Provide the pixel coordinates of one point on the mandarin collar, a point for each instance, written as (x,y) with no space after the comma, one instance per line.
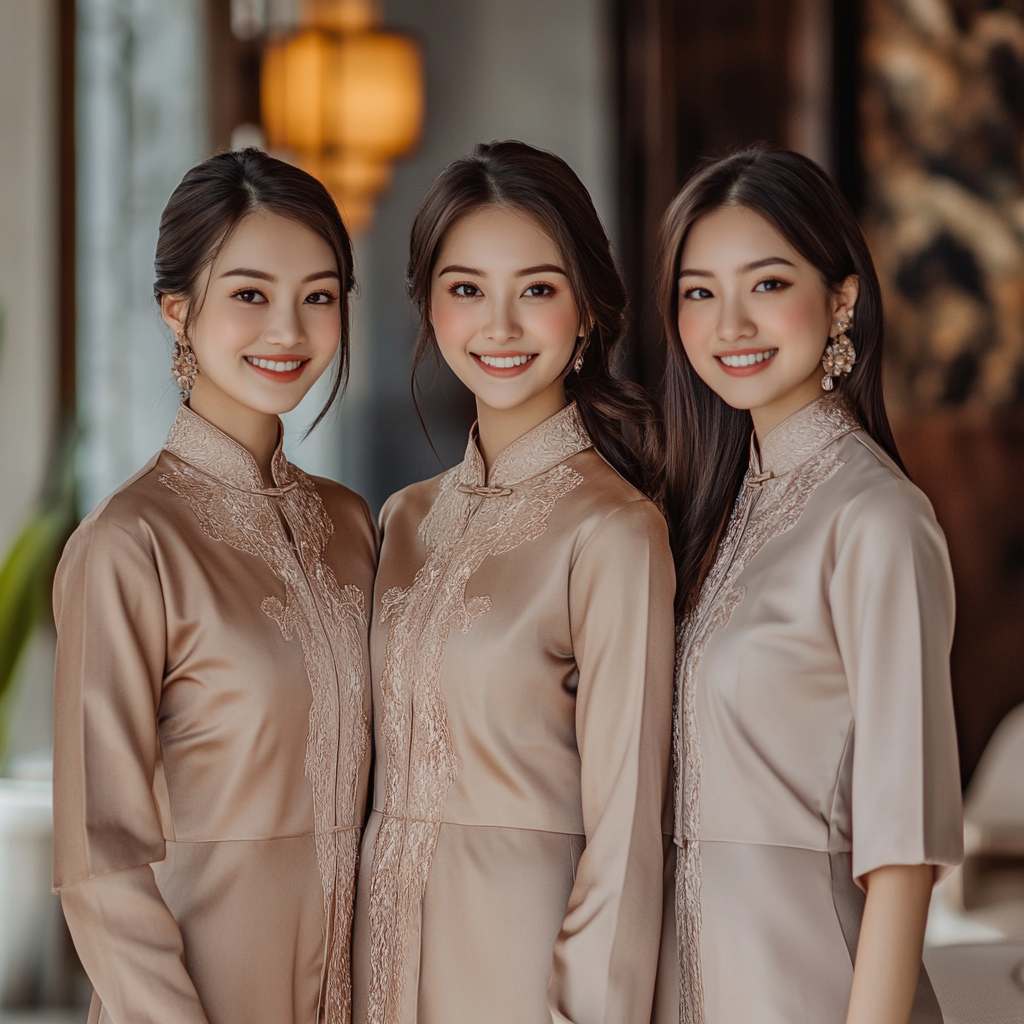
(203,446)
(799,437)
(538,450)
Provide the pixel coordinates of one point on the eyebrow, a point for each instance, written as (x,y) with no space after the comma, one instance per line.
(262,275)
(745,269)
(543,268)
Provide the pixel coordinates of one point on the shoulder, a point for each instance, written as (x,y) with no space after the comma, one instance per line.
(876,491)
(348,510)
(409,506)
(880,512)
(131,510)
(609,507)
(116,539)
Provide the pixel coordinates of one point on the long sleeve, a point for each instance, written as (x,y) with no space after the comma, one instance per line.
(111,631)
(620,595)
(892,605)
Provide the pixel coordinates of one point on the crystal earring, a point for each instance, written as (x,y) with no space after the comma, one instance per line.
(578,365)
(840,354)
(184,366)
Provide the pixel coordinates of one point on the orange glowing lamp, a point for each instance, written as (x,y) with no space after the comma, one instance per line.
(346,99)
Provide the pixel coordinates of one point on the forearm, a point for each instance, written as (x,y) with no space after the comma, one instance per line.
(889,948)
(131,948)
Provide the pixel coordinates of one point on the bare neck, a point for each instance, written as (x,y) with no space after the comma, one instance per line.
(498,428)
(767,417)
(256,432)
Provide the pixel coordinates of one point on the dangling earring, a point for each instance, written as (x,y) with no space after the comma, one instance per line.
(840,354)
(184,366)
(587,328)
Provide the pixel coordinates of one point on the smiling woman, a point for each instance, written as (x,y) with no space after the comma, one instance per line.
(521,645)
(818,795)
(211,751)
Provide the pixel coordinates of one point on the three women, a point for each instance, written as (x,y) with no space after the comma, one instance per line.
(522,639)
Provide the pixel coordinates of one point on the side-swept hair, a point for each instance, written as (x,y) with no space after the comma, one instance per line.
(706,439)
(619,416)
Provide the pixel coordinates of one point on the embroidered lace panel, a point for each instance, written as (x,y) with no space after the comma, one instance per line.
(768,505)
(467,522)
(330,621)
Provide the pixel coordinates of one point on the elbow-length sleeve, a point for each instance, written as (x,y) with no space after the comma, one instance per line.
(621,593)
(111,639)
(892,604)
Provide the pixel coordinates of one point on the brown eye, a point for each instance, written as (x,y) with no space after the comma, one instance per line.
(465,290)
(537,291)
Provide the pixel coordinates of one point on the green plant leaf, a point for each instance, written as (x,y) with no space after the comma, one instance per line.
(26,574)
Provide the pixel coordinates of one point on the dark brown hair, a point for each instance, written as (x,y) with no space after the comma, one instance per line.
(213,199)
(707,441)
(619,416)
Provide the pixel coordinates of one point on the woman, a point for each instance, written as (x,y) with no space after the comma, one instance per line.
(819,788)
(521,645)
(212,733)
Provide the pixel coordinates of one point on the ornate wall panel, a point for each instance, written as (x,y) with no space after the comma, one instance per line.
(943,148)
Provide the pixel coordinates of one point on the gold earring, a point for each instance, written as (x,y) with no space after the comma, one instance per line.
(184,366)
(840,355)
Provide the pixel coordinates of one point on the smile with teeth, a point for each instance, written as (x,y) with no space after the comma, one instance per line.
(277,365)
(504,362)
(750,359)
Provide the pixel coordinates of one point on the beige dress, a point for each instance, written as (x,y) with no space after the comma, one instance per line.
(815,733)
(212,738)
(522,652)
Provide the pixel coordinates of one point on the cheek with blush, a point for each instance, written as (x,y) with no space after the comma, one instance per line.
(448,322)
(799,321)
(555,326)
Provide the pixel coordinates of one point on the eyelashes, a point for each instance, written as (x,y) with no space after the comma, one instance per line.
(765,285)
(474,291)
(254,297)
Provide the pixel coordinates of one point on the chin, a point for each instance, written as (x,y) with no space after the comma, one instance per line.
(502,402)
(272,406)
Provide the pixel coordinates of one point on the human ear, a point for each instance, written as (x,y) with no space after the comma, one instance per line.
(174,310)
(844,298)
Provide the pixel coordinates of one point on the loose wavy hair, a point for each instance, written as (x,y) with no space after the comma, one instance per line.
(619,416)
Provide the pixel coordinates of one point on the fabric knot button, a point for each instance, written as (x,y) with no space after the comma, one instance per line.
(485,492)
(276,492)
(756,479)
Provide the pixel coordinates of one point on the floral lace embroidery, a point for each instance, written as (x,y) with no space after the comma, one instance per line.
(330,621)
(766,507)
(467,522)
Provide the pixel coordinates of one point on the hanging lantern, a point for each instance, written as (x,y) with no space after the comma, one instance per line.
(346,103)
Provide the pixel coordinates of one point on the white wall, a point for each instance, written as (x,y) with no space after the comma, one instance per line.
(28,294)
(140,125)
(28,253)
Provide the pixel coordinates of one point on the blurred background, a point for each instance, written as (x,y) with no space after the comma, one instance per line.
(915,106)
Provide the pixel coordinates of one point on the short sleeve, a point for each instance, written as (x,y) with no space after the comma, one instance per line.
(892,603)
(111,642)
